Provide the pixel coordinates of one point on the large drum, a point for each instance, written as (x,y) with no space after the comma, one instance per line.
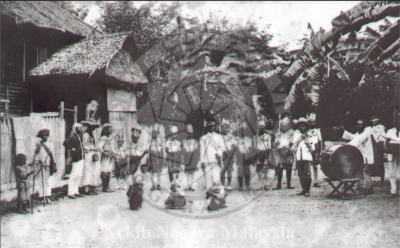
(341,162)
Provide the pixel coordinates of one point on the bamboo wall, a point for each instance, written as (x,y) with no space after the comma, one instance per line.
(19,98)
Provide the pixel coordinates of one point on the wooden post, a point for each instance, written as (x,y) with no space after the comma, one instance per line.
(31,96)
(2,64)
(7,105)
(62,110)
(24,64)
(75,113)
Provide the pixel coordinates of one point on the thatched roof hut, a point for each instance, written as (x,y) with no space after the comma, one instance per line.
(112,55)
(105,68)
(44,14)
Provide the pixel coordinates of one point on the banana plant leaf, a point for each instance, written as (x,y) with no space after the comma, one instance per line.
(389,37)
(355,18)
(340,72)
(262,75)
(314,73)
(291,97)
(294,68)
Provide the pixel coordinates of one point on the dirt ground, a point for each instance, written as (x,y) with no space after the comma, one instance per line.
(252,219)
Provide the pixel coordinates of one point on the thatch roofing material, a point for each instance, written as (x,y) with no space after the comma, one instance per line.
(124,68)
(94,54)
(45,14)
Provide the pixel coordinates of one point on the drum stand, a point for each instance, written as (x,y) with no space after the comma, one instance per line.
(348,185)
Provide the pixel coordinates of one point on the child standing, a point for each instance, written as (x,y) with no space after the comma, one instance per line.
(121,162)
(174,154)
(23,171)
(191,155)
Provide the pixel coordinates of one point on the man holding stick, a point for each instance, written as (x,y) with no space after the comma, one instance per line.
(45,165)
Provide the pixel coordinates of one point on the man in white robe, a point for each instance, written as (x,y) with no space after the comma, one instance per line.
(362,140)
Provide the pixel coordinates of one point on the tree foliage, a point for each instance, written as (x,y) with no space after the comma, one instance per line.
(148,24)
(81,13)
(239,59)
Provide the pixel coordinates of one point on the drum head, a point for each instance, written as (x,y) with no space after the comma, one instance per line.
(342,162)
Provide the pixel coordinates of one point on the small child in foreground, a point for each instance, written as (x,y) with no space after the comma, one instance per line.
(22,172)
(176,199)
(218,196)
(135,197)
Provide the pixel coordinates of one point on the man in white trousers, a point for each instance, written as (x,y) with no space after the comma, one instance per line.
(211,152)
(74,144)
(393,147)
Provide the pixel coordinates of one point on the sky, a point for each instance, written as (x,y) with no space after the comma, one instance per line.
(288,20)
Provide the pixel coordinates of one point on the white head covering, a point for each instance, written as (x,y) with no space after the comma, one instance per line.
(261,123)
(173,129)
(189,128)
(302,119)
(225,122)
(74,126)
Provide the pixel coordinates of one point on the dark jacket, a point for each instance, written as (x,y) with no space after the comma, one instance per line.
(74,141)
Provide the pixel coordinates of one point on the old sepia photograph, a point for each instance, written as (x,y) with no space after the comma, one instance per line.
(200,124)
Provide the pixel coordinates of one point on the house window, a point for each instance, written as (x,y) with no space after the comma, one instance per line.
(41,55)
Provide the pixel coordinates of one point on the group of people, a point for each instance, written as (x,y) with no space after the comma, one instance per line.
(292,144)
(40,168)
(91,164)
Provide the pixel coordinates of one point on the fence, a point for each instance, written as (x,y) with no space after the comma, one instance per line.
(7,179)
(25,130)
